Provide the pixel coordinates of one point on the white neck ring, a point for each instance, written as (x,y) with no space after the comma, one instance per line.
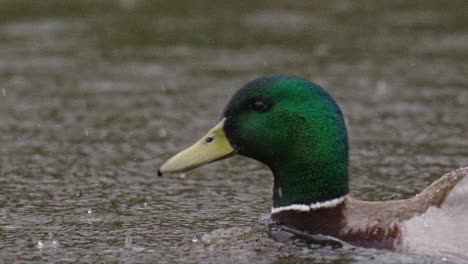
(308,207)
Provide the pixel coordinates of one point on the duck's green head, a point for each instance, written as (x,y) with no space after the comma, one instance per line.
(291,125)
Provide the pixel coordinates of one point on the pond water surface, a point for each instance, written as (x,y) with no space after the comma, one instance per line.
(95,95)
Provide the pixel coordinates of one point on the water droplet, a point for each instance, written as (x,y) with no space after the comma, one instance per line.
(55,243)
(138,249)
(4,91)
(194,239)
(162,132)
(128,242)
(145,204)
(322,50)
(183,175)
(381,87)
(40,244)
(86,132)
(127,4)
(89,211)
(425,225)
(444,259)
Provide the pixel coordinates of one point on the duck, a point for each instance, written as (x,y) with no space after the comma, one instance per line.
(295,128)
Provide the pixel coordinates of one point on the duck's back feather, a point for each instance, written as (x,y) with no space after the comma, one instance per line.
(443,228)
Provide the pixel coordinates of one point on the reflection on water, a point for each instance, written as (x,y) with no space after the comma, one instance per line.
(95,95)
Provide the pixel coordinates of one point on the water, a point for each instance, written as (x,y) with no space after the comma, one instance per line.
(95,95)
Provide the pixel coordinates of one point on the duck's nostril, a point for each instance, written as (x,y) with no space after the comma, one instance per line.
(208,139)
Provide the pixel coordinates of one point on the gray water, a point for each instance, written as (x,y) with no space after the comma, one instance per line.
(94,95)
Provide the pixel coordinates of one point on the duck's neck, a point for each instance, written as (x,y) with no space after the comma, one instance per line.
(310,182)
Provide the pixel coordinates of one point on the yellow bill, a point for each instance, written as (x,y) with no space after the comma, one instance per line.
(211,147)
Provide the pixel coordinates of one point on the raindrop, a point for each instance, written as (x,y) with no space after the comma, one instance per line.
(322,51)
(162,132)
(89,211)
(4,91)
(145,204)
(55,243)
(138,249)
(381,87)
(194,239)
(40,244)
(128,242)
(425,225)
(86,132)
(127,4)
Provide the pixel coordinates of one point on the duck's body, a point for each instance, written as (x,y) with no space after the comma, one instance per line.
(295,128)
(437,214)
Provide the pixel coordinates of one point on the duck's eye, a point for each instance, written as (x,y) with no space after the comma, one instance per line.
(259,106)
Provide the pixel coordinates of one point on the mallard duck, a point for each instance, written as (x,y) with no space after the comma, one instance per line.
(294,127)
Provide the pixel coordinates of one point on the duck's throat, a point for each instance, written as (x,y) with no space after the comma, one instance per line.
(310,186)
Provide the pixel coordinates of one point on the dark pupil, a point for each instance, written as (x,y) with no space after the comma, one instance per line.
(258,106)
